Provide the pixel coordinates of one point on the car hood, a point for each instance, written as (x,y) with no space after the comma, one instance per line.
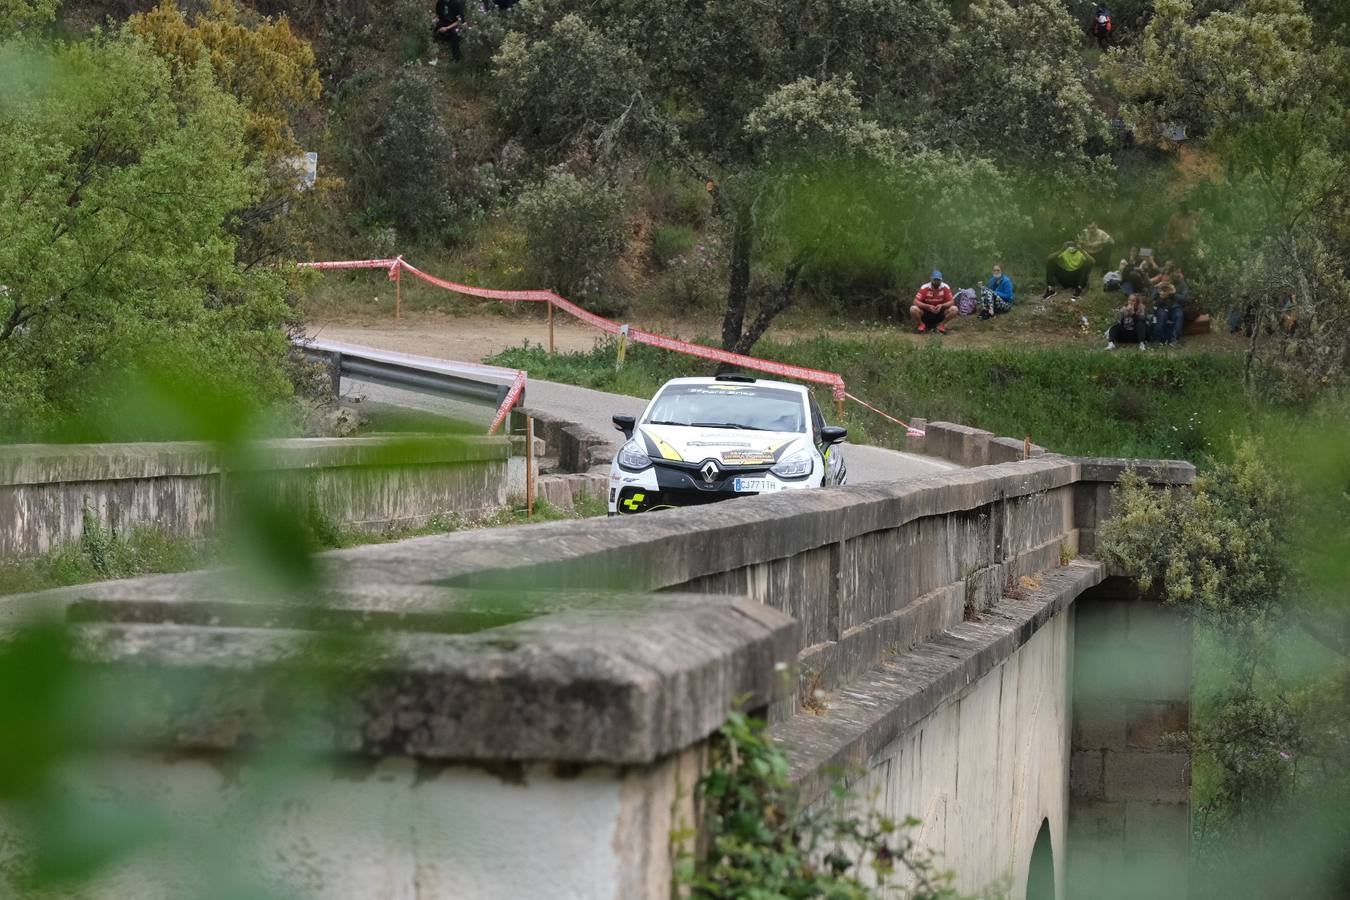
(688,444)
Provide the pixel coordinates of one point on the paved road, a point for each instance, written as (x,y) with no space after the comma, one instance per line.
(594,408)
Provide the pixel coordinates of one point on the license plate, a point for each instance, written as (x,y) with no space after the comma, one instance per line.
(751,485)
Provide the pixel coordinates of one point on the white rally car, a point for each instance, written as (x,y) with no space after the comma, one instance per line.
(707,439)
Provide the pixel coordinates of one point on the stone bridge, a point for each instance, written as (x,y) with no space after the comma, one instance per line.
(537,713)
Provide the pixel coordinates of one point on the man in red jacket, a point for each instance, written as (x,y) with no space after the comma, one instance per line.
(933,305)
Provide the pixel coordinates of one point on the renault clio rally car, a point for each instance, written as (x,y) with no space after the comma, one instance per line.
(707,439)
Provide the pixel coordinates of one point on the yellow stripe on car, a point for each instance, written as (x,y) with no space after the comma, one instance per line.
(667,451)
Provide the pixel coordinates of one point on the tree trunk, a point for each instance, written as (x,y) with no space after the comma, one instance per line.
(738,282)
(781,300)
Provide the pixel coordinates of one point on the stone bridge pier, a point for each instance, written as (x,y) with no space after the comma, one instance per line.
(534,711)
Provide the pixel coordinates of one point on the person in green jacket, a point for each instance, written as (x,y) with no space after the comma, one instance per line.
(1068,267)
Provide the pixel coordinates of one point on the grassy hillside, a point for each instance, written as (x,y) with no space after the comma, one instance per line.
(1074,401)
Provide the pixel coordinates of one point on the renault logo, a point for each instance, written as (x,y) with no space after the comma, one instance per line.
(710,471)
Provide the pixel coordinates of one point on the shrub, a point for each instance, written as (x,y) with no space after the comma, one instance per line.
(574,233)
(671,242)
(401,161)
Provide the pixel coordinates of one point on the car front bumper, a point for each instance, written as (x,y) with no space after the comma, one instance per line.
(663,487)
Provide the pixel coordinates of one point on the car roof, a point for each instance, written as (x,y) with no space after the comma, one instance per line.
(758,382)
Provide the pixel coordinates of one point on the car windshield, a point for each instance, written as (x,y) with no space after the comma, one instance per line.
(748,406)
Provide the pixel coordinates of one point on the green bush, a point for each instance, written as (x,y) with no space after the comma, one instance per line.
(574,233)
(673,197)
(400,158)
(671,242)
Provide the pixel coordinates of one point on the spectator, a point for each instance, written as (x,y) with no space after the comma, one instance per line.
(1094,240)
(1131,326)
(449,24)
(1132,278)
(1101,26)
(1169,313)
(1067,267)
(933,305)
(997,296)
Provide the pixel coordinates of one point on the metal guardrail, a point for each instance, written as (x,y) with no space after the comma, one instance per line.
(472,383)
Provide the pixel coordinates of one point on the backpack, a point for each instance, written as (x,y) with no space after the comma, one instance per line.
(1111,281)
(965,301)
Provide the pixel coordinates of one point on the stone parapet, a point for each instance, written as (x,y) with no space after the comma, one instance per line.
(440,674)
(181,487)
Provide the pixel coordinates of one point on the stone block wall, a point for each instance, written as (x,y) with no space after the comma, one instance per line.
(937,615)
(182,487)
(1129,825)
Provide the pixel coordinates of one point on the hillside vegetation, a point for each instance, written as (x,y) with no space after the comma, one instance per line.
(719,163)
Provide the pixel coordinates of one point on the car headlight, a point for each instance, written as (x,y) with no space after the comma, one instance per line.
(795,465)
(632,456)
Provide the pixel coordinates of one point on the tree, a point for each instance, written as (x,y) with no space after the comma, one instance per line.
(730,92)
(400,159)
(1209,71)
(117,182)
(17,14)
(1019,87)
(271,71)
(574,230)
(1269,103)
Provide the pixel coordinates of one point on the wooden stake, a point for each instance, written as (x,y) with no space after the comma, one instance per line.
(529,464)
(1026,447)
(550,328)
(398,291)
(839,408)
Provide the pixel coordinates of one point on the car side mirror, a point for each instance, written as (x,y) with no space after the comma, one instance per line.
(626,424)
(832,434)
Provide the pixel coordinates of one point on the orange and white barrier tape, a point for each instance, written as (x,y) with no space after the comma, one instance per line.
(786,370)
(508,402)
(910,430)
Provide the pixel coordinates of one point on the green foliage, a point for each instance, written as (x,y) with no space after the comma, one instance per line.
(263,64)
(570,82)
(808,116)
(1220,547)
(1270,729)
(1210,70)
(670,242)
(759,843)
(101,553)
(1019,87)
(18,14)
(574,229)
(117,182)
(401,158)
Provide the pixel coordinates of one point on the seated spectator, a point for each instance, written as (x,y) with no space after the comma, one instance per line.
(1148,263)
(1169,314)
(1070,267)
(1179,282)
(1094,240)
(997,296)
(933,305)
(1130,326)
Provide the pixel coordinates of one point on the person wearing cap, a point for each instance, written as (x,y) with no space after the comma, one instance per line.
(933,305)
